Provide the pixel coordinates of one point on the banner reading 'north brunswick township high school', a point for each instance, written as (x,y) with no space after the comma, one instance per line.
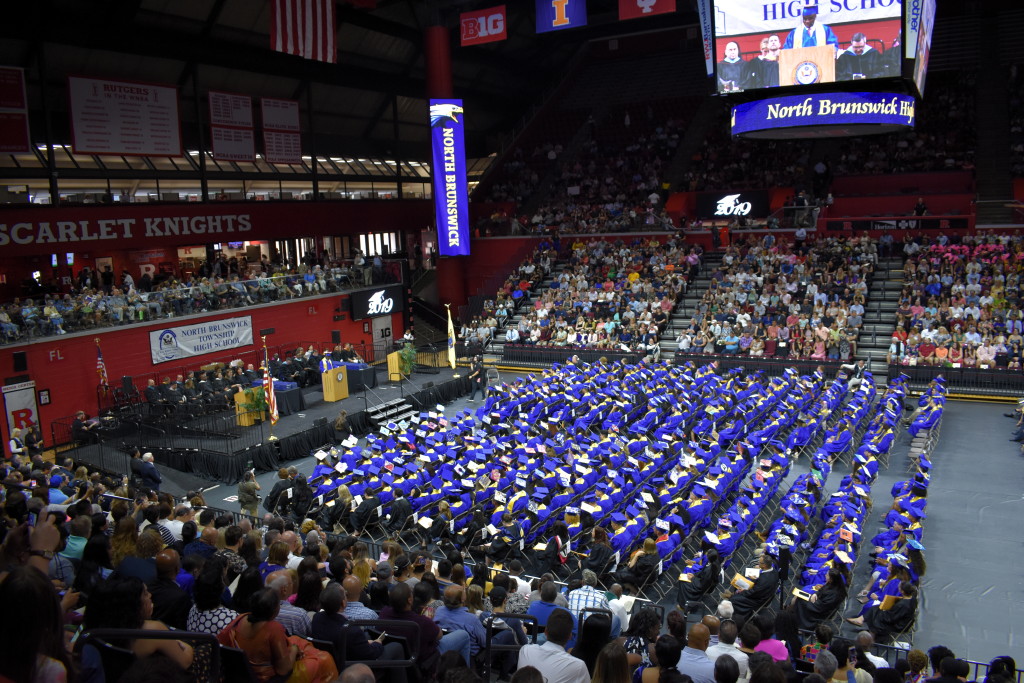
(174,343)
(451,196)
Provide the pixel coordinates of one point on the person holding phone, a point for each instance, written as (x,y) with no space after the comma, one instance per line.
(845,653)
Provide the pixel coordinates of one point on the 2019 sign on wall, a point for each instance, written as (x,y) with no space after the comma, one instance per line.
(370,303)
(753,204)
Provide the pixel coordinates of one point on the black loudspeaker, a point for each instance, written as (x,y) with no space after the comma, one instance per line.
(126,383)
(335,336)
(320,422)
(20,361)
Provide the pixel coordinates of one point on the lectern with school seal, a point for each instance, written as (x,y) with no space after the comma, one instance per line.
(335,384)
(807,65)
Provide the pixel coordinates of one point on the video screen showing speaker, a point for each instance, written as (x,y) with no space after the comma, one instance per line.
(778,43)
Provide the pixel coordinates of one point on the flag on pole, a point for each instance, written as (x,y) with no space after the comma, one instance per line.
(101,367)
(268,389)
(304,28)
(451,338)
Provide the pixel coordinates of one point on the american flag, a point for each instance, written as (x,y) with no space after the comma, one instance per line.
(101,367)
(304,28)
(268,390)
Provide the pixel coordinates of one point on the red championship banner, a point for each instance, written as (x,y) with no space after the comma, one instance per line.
(483,26)
(14,135)
(637,9)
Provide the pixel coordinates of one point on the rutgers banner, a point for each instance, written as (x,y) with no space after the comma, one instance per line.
(175,343)
(483,26)
(20,405)
(636,9)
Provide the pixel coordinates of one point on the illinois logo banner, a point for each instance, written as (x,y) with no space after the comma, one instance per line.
(555,15)
(483,26)
(636,9)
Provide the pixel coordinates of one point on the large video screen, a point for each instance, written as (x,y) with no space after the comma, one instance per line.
(772,43)
(923,49)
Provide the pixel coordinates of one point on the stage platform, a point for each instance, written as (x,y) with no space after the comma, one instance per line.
(197,454)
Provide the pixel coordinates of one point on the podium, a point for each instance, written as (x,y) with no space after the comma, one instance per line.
(395,367)
(245,418)
(335,384)
(806,65)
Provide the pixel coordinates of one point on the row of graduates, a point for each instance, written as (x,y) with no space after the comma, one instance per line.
(827,571)
(436,459)
(702,573)
(929,407)
(889,602)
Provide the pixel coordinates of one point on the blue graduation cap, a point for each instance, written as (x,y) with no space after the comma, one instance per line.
(915,544)
(699,491)
(715,471)
(359,473)
(725,523)
(618,517)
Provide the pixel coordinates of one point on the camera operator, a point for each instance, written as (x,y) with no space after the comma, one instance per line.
(248,499)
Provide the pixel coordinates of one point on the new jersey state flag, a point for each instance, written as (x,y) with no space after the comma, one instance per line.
(636,9)
(554,15)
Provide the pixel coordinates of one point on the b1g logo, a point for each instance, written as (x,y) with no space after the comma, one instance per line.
(483,26)
(730,206)
(806,73)
(378,305)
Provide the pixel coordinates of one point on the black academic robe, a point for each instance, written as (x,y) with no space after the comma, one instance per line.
(886,623)
(600,559)
(270,503)
(761,73)
(401,508)
(745,602)
(703,581)
(731,72)
(364,513)
(809,614)
(868,63)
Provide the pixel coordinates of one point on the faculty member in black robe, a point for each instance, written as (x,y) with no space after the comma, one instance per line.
(829,597)
(730,69)
(701,582)
(887,623)
(745,602)
(859,60)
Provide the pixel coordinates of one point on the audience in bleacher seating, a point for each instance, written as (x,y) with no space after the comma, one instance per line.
(961,305)
(612,296)
(771,298)
(944,136)
(615,182)
(93,304)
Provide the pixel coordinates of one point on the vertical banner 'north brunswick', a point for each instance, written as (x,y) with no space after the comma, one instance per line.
(451,197)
